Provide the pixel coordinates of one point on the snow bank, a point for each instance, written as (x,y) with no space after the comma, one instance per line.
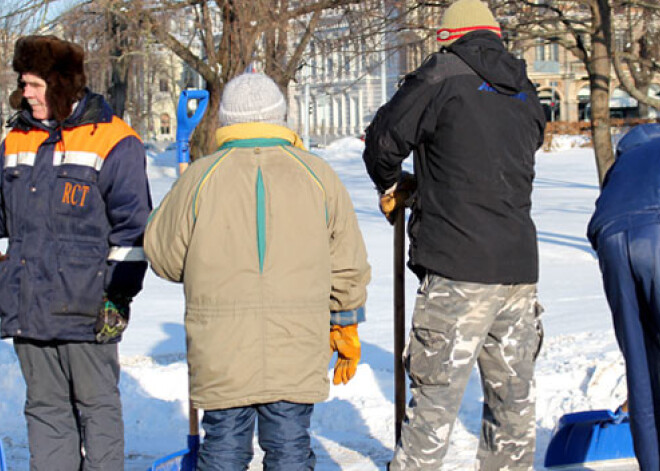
(579,367)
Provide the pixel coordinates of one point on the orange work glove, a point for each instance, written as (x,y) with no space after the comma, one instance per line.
(395,199)
(345,341)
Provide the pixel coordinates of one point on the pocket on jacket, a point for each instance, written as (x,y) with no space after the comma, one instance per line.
(14,188)
(79,281)
(75,192)
(9,286)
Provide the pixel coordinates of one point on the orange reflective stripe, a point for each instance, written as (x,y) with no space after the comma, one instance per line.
(24,141)
(97,139)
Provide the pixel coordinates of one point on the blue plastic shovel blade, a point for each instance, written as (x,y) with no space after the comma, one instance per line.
(3,462)
(171,462)
(182,460)
(592,436)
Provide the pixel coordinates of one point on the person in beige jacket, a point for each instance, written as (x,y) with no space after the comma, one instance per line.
(265,240)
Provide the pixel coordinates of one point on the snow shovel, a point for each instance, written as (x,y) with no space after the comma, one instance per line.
(186,459)
(3,463)
(186,124)
(594,438)
(399,321)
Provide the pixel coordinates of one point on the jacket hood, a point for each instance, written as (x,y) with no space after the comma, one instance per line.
(484,52)
(91,109)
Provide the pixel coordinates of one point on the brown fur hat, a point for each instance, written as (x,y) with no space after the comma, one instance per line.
(59,63)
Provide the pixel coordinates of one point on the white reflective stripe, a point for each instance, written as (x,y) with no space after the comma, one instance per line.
(127,254)
(22,158)
(87,159)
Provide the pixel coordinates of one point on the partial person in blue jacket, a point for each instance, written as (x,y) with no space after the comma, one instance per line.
(625,232)
(74,204)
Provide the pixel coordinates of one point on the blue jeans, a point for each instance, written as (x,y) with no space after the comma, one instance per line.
(283,429)
(630,262)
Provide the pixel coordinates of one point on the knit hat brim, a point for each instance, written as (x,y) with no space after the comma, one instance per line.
(448,35)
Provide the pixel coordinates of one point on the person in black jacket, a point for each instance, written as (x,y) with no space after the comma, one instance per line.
(625,232)
(473,121)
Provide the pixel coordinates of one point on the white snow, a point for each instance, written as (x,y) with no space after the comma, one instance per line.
(579,368)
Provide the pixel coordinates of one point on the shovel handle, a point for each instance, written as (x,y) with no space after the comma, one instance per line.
(186,124)
(193,419)
(399,322)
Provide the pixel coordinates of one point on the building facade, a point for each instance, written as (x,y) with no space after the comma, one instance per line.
(345,80)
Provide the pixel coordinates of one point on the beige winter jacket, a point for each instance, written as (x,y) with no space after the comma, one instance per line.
(264,237)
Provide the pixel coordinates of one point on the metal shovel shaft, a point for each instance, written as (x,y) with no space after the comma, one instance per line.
(399,322)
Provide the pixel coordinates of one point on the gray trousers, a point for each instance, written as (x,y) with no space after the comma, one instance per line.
(454,325)
(72,408)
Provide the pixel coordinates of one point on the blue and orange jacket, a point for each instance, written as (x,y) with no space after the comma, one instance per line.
(75,200)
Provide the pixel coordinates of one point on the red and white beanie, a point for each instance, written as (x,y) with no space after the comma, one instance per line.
(464,16)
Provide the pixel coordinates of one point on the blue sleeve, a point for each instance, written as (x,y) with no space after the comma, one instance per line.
(125,189)
(354,316)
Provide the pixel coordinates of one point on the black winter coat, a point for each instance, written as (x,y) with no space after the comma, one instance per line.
(473,121)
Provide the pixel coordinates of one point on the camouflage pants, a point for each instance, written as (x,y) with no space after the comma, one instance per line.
(454,324)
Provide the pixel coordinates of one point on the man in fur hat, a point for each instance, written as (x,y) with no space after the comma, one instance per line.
(472,120)
(75,201)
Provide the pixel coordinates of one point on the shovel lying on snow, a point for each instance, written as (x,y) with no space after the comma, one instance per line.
(3,463)
(599,438)
(182,460)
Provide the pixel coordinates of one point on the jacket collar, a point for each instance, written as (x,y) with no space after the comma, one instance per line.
(256,135)
(92,109)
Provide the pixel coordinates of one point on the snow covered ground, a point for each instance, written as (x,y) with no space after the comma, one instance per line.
(579,368)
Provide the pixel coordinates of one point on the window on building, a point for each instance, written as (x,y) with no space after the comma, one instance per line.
(547,52)
(540,50)
(188,78)
(163,85)
(620,40)
(312,62)
(165,124)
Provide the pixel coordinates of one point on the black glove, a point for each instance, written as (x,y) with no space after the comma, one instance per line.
(112,319)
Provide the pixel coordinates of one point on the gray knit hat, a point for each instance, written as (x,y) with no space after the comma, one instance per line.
(251,98)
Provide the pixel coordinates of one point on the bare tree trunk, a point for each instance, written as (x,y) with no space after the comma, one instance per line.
(118,89)
(203,139)
(599,67)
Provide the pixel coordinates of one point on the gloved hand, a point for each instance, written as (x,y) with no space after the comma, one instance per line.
(345,341)
(396,198)
(112,318)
